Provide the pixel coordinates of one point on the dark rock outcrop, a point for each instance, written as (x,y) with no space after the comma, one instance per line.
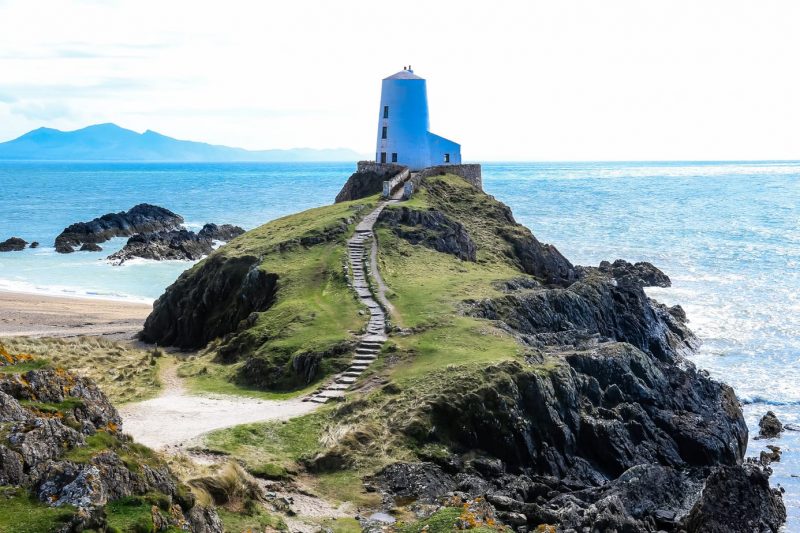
(365,183)
(737,498)
(224,233)
(143,218)
(209,301)
(179,244)
(431,228)
(34,244)
(90,247)
(592,306)
(769,427)
(643,273)
(49,414)
(164,245)
(14,244)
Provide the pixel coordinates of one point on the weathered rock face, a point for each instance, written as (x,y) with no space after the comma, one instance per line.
(209,301)
(643,273)
(224,232)
(164,245)
(143,218)
(432,229)
(179,244)
(366,183)
(737,498)
(14,244)
(61,413)
(769,426)
(596,305)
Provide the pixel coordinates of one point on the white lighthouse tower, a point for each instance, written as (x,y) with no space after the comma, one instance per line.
(403,123)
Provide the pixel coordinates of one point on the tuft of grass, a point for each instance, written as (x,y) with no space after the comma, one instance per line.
(133,513)
(21,513)
(131,453)
(123,372)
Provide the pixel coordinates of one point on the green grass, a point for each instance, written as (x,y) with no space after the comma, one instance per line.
(441,521)
(133,514)
(342,525)
(20,513)
(24,366)
(54,408)
(124,373)
(259,520)
(131,453)
(201,375)
(280,444)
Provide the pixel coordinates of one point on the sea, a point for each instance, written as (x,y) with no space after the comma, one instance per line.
(727,234)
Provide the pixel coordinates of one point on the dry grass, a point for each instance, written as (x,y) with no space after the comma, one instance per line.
(123,372)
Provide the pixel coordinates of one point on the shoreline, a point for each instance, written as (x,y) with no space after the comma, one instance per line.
(40,315)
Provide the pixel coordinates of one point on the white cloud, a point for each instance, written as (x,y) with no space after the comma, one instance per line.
(565,79)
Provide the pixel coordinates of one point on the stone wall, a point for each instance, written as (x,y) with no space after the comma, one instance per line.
(471,173)
(379,168)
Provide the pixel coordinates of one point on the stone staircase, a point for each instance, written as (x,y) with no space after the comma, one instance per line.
(359,257)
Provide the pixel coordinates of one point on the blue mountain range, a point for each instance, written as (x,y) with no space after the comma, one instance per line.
(109,142)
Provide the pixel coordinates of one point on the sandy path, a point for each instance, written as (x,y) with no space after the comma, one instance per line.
(36,315)
(176,418)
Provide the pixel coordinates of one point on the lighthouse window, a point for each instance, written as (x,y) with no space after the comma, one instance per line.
(394,157)
(383,133)
(446,158)
(383,157)
(386,111)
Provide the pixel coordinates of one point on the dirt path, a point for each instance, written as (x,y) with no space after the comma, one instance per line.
(176,418)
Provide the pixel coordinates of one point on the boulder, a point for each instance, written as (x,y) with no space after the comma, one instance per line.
(643,273)
(737,499)
(14,244)
(224,233)
(90,247)
(769,427)
(34,244)
(143,218)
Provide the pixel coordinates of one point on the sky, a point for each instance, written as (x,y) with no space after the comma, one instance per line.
(510,80)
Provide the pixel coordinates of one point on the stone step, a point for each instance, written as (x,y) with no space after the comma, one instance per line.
(369,350)
(363,359)
(348,373)
(371,344)
(330,394)
(346,379)
(337,386)
(316,399)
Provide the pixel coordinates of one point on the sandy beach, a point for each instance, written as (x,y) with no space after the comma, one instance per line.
(50,316)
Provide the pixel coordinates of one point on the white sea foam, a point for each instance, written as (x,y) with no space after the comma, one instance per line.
(24,287)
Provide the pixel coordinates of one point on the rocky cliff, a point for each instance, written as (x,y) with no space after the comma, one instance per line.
(62,447)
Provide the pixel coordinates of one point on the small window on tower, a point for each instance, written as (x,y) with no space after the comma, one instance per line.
(386,111)
(394,157)
(383,133)
(446,158)
(383,157)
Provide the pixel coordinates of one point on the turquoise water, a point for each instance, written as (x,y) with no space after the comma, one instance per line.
(728,234)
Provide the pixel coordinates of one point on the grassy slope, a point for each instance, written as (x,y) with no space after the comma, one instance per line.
(314,310)
(427,289)
(124,373)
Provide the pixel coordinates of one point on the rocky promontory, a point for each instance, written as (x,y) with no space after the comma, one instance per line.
(551,396)
(142,218)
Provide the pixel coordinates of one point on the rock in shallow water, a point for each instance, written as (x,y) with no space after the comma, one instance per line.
(14,244)
(179,244)
(769,427)
(143,218)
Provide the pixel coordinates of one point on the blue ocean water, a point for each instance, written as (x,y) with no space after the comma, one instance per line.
(727,233)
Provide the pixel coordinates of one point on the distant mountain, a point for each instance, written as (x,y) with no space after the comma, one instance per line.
(109,142)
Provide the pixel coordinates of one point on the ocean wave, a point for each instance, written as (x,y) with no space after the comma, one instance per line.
(756,399)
